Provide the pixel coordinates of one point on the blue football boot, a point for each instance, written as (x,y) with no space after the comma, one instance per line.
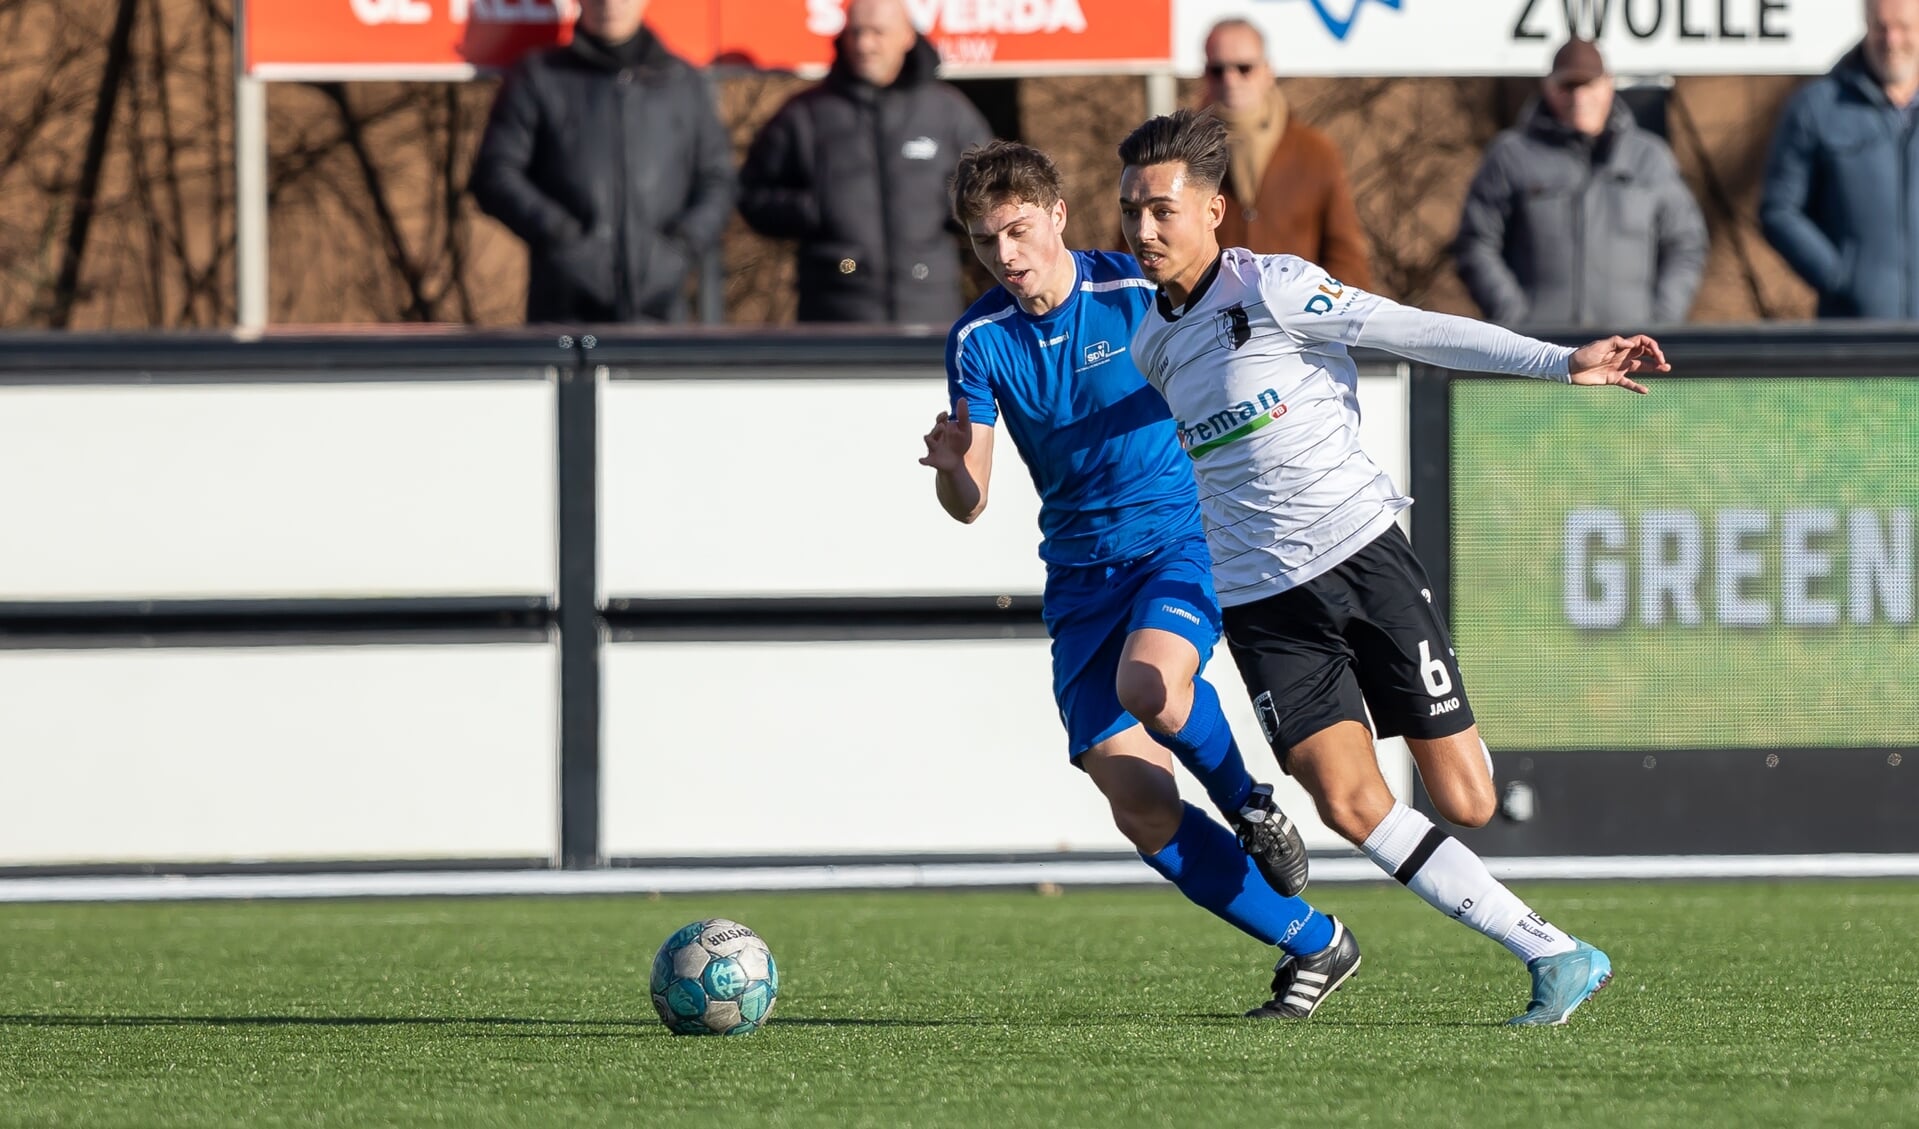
(1561,983)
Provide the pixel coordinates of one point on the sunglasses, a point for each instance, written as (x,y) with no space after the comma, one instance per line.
(1218,70)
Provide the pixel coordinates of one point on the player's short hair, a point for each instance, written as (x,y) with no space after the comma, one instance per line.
(1001,172)
(1192,138)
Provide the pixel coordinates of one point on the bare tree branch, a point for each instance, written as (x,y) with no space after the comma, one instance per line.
(420,307)
(111,78)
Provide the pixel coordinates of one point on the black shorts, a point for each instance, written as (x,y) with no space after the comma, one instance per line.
(1366,635)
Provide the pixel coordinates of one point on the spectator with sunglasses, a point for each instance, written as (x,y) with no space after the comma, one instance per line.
(1286,193)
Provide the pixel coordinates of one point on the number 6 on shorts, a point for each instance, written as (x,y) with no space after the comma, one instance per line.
(1438,682)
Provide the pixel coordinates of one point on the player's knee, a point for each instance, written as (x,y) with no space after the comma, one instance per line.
(1469,807)
(1346,819)
(1146,807)
(1353,813)
(1148,822)
(1145,692)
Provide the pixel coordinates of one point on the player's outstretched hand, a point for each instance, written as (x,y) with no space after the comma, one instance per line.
(950,439)
(1613,360)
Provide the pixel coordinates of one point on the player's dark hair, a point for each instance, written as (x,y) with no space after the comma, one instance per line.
(1192,138)
(1001,172)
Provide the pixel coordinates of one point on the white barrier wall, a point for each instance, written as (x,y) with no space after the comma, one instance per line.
(876,747)
(847,747)
(726,487)
(231,755)
(758,487)
(710,487)
(277,490)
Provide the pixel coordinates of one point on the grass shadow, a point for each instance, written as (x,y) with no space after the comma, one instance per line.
(612,1028)
(829,1021)
(568,1028)
(1222,1017)
(71,1020)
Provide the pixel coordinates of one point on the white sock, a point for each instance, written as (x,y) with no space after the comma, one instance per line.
(1455,881)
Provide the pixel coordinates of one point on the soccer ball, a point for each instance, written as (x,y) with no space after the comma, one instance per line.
(714,978)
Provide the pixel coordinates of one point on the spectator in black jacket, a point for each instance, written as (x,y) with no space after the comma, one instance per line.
(606,156)
(855,169)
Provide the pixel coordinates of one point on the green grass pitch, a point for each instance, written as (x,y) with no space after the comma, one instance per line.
(1736,1004)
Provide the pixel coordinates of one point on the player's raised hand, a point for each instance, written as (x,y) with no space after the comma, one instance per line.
(1613,360)
(950,439)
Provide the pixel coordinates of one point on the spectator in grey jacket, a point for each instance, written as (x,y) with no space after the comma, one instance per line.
(1841,199)
(855,170)
(606,156)
(1578,217)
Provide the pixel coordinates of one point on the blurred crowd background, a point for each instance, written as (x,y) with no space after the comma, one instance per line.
(594,180)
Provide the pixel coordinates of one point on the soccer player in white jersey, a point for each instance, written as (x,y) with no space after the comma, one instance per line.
(1328,614)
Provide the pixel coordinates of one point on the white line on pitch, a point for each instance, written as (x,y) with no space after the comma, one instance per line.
(879,876)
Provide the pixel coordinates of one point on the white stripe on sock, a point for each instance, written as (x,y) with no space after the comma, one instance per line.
(1455,881)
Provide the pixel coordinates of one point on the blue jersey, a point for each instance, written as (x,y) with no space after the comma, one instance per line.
(1099,441)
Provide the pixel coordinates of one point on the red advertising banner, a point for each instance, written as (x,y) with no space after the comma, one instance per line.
(974,36)
(426,39)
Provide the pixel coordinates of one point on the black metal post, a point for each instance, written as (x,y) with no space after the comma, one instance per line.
(1430,459)
(712,288)
(580,625)
(1430,456)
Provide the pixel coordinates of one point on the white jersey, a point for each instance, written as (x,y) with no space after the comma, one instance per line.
(1256,371)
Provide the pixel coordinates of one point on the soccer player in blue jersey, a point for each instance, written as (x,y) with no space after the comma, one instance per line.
(1129,598)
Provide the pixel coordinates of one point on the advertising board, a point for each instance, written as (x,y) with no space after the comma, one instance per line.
(452,39)
(1725,564)
(1518,37)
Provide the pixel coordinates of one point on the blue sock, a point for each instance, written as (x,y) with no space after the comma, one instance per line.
(1206,747)
(1205,862)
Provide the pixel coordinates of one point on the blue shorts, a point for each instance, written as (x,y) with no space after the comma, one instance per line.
(1089,613)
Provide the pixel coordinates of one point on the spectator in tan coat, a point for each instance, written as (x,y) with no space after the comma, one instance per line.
(1286,192)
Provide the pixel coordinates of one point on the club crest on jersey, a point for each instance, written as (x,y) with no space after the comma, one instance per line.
(1330,291)
(1239,327)
(1230,424)
(1233,327)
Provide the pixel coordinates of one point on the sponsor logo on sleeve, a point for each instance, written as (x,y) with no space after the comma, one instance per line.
(1330,292)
